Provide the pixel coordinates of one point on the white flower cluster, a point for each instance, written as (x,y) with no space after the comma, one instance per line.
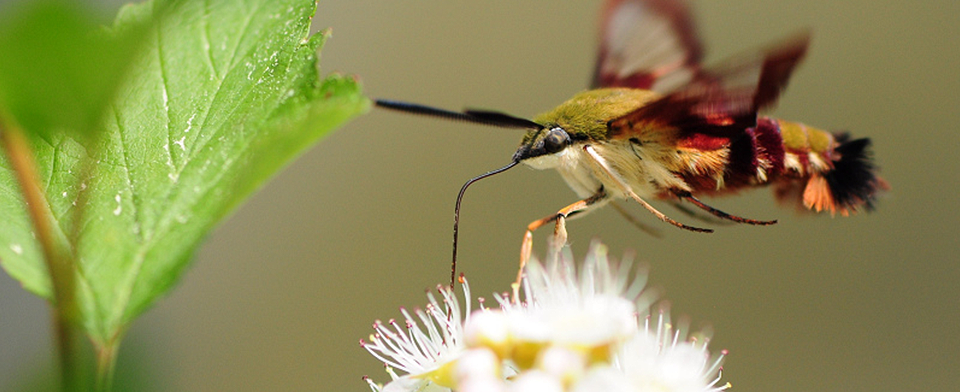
(586,331)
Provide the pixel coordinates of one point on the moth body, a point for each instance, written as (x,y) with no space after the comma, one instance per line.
(657,124)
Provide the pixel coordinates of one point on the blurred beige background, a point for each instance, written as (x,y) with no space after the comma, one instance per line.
(361,224)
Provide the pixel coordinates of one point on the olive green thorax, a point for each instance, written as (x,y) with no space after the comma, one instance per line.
(585,116)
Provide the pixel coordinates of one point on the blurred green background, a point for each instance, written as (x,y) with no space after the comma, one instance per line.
(280,294)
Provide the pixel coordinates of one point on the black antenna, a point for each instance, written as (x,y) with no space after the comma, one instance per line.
(456,215)
(483,117)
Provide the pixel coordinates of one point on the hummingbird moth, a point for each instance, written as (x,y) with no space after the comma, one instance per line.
(656,124)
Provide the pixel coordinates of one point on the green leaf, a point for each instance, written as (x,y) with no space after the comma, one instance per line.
(58,67)
(224,94)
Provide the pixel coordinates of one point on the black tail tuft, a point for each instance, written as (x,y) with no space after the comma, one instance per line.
(853,180)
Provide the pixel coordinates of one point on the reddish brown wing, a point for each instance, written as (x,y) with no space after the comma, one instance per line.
(723,100)
(648,44)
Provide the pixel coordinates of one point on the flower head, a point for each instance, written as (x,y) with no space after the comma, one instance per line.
(663,358)
(429,340)
(590,311)
(573,330)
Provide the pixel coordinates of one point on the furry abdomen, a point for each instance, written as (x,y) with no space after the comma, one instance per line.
(811,167)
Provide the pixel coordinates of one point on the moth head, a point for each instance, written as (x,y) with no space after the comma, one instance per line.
(540,146)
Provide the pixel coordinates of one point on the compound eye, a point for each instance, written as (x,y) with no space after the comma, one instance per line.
(555,140)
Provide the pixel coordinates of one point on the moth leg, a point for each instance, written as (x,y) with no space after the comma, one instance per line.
(684,195)
(559,233)
(697,214)
(626,189)
(634,221)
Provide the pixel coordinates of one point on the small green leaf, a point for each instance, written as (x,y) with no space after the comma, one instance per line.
(224,94)
(58,67)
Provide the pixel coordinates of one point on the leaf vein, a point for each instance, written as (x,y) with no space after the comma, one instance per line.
(126,289)
(125,155)
(243,33)
(54,165)
(206,39)
(166,95)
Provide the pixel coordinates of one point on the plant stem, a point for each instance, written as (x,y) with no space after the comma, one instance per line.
(69,356)
(59,265)
(106,363)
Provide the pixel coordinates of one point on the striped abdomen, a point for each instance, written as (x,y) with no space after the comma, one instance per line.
(823,171)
